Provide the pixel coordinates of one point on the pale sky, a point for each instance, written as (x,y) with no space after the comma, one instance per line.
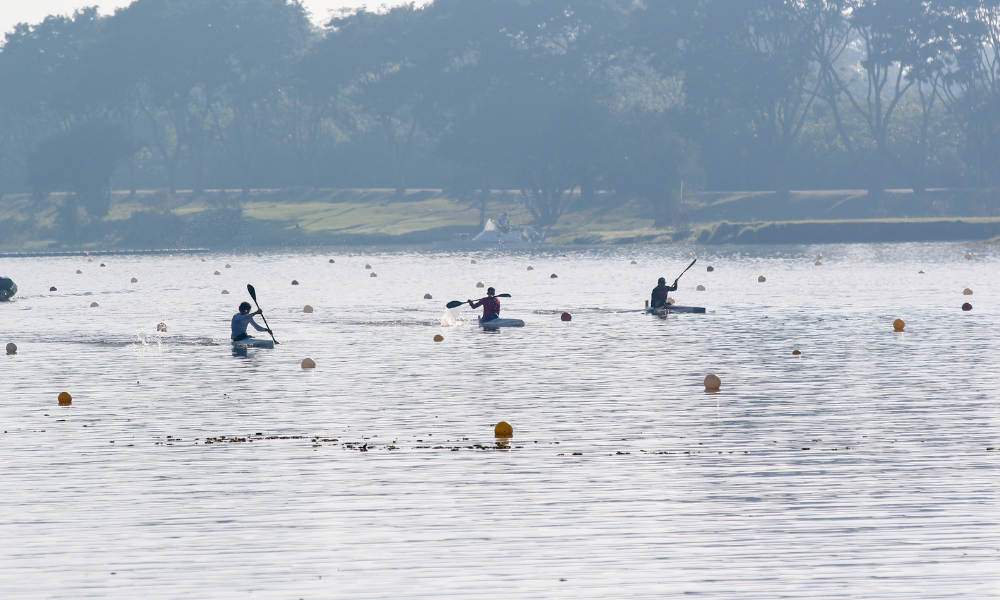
(13,12)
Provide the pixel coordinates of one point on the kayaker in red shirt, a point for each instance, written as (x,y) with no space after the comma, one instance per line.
(659,296)
(490,304)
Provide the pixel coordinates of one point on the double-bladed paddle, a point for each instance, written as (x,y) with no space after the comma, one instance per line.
(457,303)
(253,294)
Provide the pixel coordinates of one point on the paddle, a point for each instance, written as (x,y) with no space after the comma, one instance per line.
(457,303)
(253,294)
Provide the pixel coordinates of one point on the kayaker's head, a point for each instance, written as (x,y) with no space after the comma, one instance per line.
(244,308)
(662,281)
(490,292)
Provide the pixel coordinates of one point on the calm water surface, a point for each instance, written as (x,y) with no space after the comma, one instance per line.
(859,469)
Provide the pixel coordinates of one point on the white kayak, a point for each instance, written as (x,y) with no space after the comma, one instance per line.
(251,342)
(494,323)
(671,308)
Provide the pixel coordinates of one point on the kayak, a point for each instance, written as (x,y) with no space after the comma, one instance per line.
(494,323)
(662,310)
(253,343)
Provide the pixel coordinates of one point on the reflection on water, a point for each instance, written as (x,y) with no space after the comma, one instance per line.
(184,470)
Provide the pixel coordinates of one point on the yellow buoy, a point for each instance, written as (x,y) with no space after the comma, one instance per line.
(700,288)
(967,292)
(225,291)
(229,266)
(308,363)
(503,430)
(65,399)
(898,324)
(473,262)
(307,309)
(712,382)
(161,327)
(796,352)
(373,274)
(79,272)
(134,280)
(480,285)
(11,348)
(439,338)
(428,297)
(94,305)
(531,268)
(216,273)
(761,279)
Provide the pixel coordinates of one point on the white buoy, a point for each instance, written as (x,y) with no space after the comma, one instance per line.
(819,257)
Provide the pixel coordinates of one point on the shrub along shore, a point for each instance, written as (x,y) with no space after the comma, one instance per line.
(229,219)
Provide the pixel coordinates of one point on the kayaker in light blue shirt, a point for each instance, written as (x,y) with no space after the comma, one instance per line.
(244,318)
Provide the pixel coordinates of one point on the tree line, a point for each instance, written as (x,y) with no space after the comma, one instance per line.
(564,101)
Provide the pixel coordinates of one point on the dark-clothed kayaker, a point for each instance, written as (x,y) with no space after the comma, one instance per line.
(490,304)
(244,318)
(659,296)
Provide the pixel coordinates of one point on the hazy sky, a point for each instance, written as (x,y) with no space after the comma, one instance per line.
(13,12)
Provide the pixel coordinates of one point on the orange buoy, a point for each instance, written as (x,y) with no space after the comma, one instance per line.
(480,285)
(531,268)
(796,353)
(473,262)
(700,288)
(368,266)
(761,279)
(898,325)
(373,274)
(216,273)
(225,291)
(503,430)
(65,399)
(712,382)
(307,309)
(79,272)
(94,305)
(439,338)
(134,280)
(967,292)
(428,297)
(634,263)
(308,363)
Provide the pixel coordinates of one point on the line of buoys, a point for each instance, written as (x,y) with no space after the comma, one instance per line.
(700,288)
(161,327)
(710,268)
(79,272)
(968,256)
(531,268)
(480,285)
(295,282)
(134,280)
(428,297)
(439,338)
(368,266)
(94,305)
(966,306)
(53,289)
(967,292)
(307,309)
(216,273)
(503,430)
(308,363)
(553,276)
(473,262)
(796,353)
(65,399)
(11,348)
(566,316)
(898,325)
(331,261)
(712,382)
(761,279)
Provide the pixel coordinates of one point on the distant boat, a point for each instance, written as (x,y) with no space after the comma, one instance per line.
(491,236)
(7,289)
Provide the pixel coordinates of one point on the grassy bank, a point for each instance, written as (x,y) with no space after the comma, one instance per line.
(156,219)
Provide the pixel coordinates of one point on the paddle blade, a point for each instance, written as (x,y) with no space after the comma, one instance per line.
(454,304)
(253,292)
(503,295)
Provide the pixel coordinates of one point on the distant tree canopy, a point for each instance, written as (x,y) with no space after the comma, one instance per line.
(561,101)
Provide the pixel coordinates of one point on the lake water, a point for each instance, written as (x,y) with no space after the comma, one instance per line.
(859,469)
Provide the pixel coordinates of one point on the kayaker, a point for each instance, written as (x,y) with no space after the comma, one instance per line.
(504,223)
(244,318)
(490,304)
(659,296)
